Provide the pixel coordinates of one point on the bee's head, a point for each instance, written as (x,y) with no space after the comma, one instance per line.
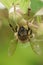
(23,33)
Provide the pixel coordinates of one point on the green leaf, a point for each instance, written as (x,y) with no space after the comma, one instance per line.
(24,4)
(36,5)
(7,3)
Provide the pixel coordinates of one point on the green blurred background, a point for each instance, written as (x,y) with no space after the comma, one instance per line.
(22,55)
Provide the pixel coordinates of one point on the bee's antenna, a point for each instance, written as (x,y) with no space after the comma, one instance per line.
(29,11)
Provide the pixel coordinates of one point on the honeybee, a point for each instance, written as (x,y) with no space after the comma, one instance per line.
(24,27)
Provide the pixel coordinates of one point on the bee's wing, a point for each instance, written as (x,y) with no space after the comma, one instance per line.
(37,41)
(35,45)
(4,18)
(12,47)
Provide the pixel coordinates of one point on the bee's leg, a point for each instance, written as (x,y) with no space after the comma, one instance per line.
(29,37)
(11,27)
(30,34)
(14,30)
